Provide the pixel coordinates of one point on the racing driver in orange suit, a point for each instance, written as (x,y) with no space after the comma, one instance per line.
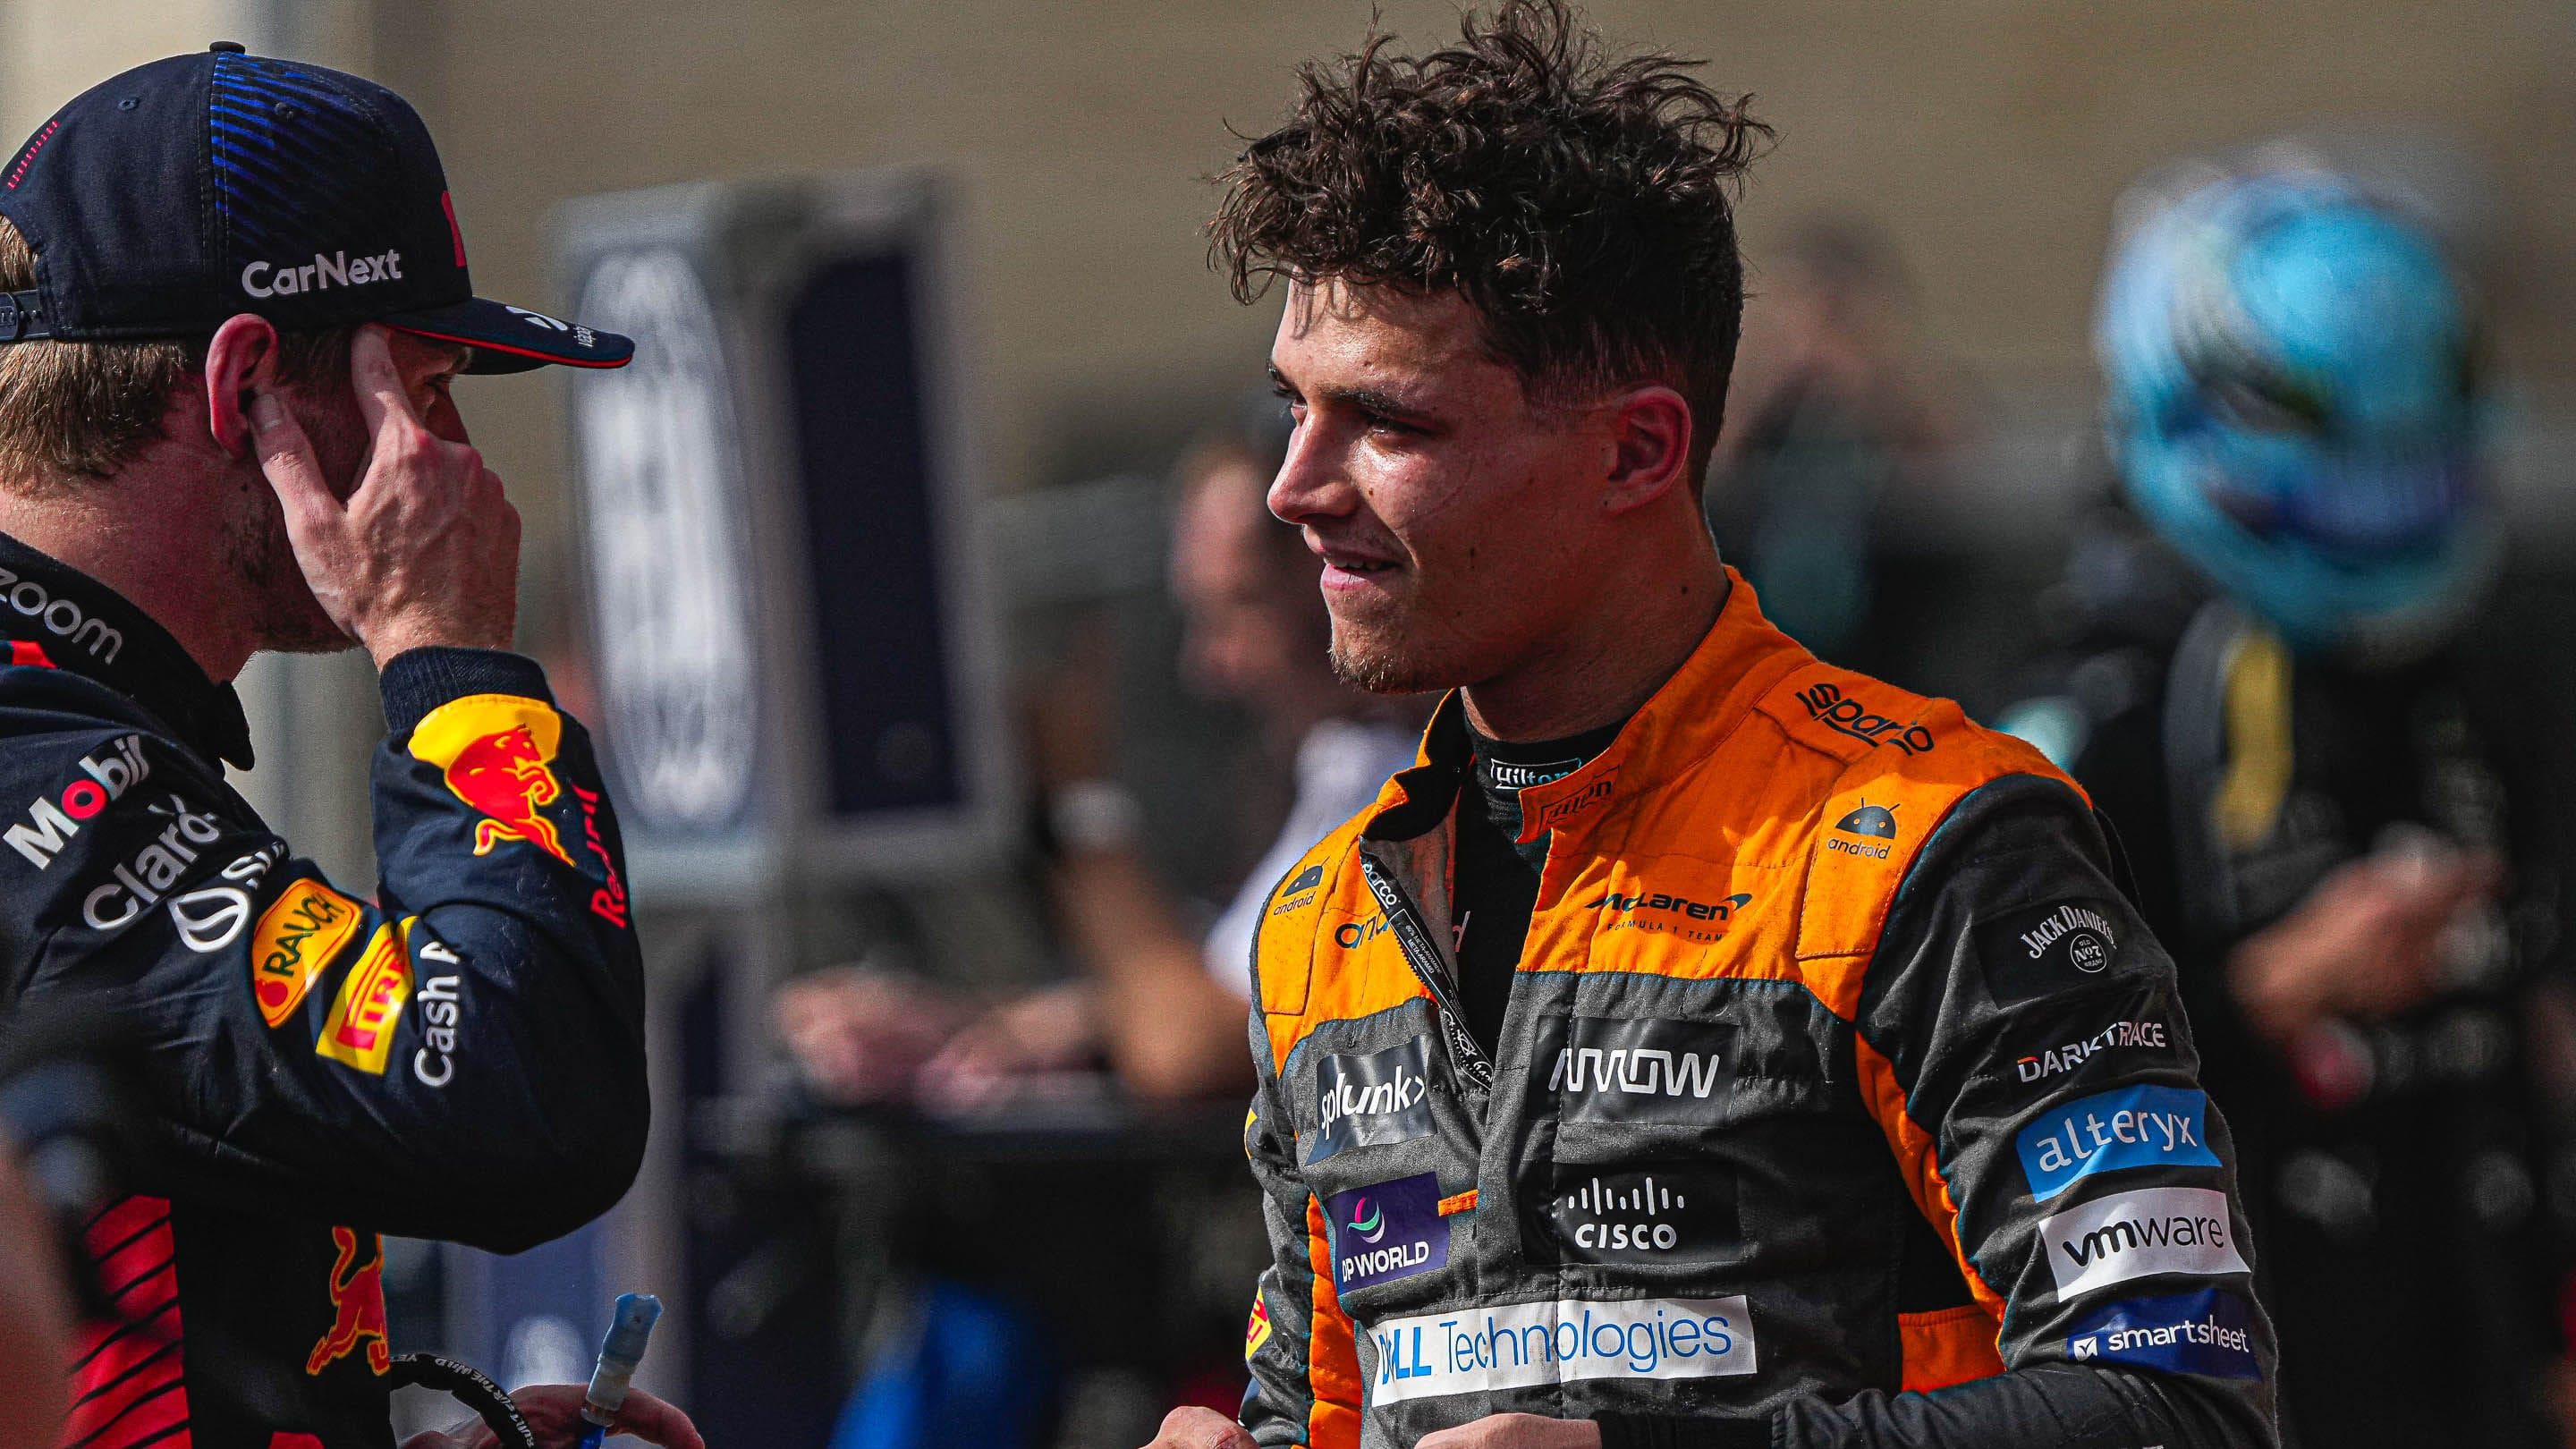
(233,298)
(1700,1045)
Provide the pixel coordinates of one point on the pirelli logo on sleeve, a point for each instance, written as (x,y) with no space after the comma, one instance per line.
(360,1030)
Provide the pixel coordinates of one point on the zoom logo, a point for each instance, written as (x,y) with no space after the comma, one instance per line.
(1371,1100)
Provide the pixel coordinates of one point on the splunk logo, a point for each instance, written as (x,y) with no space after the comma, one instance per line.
(1373,1099)
(1829,706)
(2160,1230)
(1605,1069)
(286,279)
(1386,1231)
(1526,1345)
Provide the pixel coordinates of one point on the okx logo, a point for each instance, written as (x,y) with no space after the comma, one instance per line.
(1387,1231)
(1669,1212)
(1604,1069)
(2132,1127)
(1373,1099)
(2161,1230)
(2209,1333)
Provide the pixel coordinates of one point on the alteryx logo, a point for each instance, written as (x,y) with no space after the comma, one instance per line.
(1386,1231)
(2133,1127)
(1371,1100)
(2210,1333)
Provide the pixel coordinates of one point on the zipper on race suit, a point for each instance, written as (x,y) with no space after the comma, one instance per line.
(1414,940)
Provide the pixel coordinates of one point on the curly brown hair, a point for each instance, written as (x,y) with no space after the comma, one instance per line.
(1581,204)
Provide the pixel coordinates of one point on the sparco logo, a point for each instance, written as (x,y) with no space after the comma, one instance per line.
(51,824)
(1371,1100)
(60,616)
(285,279)
(1841,713)
(1649,1070)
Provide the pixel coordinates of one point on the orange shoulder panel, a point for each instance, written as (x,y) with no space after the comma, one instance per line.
(1332,1351)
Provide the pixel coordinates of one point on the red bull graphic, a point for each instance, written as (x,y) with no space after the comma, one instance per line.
(357,1307)
(497,752)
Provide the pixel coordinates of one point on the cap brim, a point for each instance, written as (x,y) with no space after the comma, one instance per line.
(514,339)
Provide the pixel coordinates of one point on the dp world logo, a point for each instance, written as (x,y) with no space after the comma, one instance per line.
(1368,1220)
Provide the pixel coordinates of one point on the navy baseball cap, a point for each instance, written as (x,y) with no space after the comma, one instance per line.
(199,187)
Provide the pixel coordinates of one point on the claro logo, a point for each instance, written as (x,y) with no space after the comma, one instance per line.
(286,279)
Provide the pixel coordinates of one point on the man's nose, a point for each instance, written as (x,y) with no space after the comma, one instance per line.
(1311,483)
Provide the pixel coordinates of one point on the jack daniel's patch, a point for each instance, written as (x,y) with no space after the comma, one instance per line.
(2062,946)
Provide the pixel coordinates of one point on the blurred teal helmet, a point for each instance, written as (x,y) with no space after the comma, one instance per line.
(2293,404)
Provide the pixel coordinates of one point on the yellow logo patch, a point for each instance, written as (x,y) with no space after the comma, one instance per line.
(300,933)
(1257,1331)
(360,1030)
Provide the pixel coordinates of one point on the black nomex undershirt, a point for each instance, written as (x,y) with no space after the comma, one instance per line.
(1496,877)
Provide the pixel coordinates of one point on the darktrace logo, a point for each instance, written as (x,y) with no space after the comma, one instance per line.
(1829,706)
(1659,1213)
(1386,1231)
(1662,911)
(1869,823)
(1650,1069)
(1372,1099)
(2049,1062)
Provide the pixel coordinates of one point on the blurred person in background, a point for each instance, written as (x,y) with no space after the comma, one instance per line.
(2343,802)
(234,301)
(1160,999)
(1637,1069)
(1839,417)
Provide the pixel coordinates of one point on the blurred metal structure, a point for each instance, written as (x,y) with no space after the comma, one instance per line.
(799,670)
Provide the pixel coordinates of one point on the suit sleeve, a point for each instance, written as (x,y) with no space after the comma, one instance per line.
(460,1058)
(2023,1050)
(1304,1362)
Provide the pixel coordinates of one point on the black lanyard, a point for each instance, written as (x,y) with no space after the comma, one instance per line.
(1405,920)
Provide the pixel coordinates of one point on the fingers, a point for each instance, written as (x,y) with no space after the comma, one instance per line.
(286,457)
(1197,1428)
(382,399)
(656,1422)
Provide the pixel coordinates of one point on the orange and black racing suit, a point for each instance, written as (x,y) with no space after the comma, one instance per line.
(1840,1099)
(460,1058)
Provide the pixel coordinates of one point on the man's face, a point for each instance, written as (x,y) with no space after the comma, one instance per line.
(1248,603)
(1460,527)
(291,619)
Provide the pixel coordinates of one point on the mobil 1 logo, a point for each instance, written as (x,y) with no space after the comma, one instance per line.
(1645,1212)
(1372,1099)
(2043,950)
(1645,1069)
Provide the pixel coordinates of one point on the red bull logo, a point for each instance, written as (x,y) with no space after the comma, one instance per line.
(357,1307)
(497,752)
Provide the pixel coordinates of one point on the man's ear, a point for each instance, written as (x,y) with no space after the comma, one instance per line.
(241,362)
(1650,448)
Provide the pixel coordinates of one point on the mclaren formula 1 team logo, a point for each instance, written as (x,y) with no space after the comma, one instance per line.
(497,753)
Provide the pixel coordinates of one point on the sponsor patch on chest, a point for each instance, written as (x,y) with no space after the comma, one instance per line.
(1372,1099)
(1526,1345)
(1386,1231)
(1643,1069)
